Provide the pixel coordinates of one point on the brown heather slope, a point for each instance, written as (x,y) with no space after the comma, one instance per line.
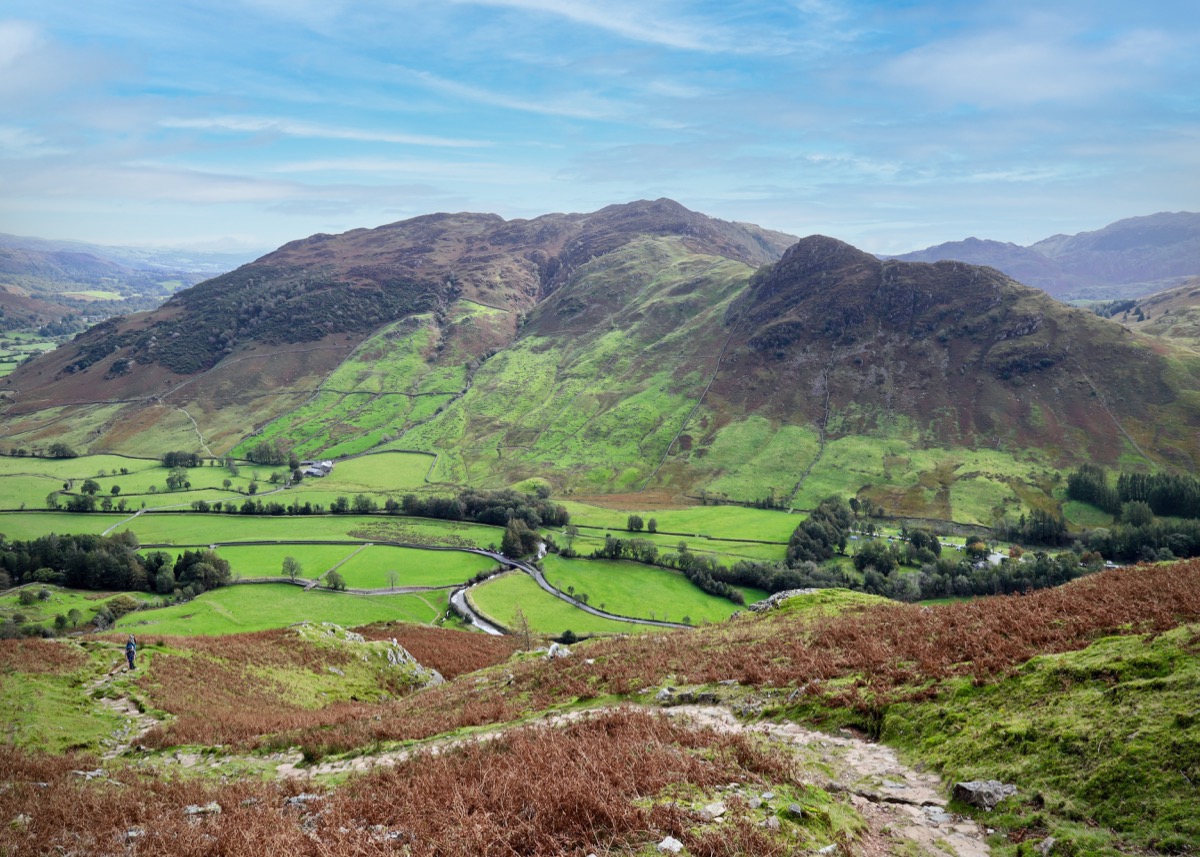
(256,341)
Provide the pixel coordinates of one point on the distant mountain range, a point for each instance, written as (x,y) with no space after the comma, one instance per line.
(640,347)
(43,280)
(1126,259)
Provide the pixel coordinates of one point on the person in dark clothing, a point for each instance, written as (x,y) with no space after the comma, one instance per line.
(131,650)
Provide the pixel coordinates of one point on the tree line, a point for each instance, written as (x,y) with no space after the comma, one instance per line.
(109,563)
(1166,494)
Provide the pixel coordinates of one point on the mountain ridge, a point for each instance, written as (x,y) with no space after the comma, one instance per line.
(1127,258)
(641,347)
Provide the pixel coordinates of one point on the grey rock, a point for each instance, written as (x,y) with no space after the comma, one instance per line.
(795,810)
(336,671)
(729,682)
(670,845)
(768,795)
(937,815)
(557,650)
(210,808)
(828,849)
(1046,846)
(984,794)
(713,811)
(302,800)
(666,696)
(772,823)
(777,599)
(756,802)
(90,775)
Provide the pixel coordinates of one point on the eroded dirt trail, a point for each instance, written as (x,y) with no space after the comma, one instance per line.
(903,806)
(136,722)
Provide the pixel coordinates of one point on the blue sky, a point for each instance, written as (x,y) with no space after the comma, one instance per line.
(890,125)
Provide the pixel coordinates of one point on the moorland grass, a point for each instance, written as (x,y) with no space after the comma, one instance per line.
(370,568)
(258,607)
(642,591)
(1103,743)
(500,597)
(62,601)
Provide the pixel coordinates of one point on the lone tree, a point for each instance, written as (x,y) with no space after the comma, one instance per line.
(652,525)
(292,568)
(521,629)
(635,523)
(335,581)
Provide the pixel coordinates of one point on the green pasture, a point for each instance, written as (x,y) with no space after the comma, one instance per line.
(641,591)
(267,560)
(500,597)
(426,531)
(197,529)
(383,473)
(728,553)
(31,525)
(370,568)
(259,606)
(729,522)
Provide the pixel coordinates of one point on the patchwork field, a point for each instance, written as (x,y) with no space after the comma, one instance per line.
(631,589)
(259,606)
(373,567)
(501,597)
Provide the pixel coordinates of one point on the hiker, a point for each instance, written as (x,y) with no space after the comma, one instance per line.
(131,650)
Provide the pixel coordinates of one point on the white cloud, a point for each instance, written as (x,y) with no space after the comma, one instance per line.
(292,128)
(1038,62)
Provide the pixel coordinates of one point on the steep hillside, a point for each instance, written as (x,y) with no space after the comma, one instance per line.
(656,369)
(256,343)
(1123,260)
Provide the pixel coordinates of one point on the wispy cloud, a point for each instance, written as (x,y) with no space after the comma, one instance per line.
(1041,61)
(637,22)
(580,106)
(293,128)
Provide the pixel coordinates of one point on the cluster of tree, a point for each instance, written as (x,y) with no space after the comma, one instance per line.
(1038,527)
(107,563)
(635,524)
(1147,541)
(953,577)
(488,507)
(274,453)
(822,534)
(182,459)
(1166,494)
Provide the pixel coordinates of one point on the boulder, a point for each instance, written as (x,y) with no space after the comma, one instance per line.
(713,811)
(670,845)
(984,794)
